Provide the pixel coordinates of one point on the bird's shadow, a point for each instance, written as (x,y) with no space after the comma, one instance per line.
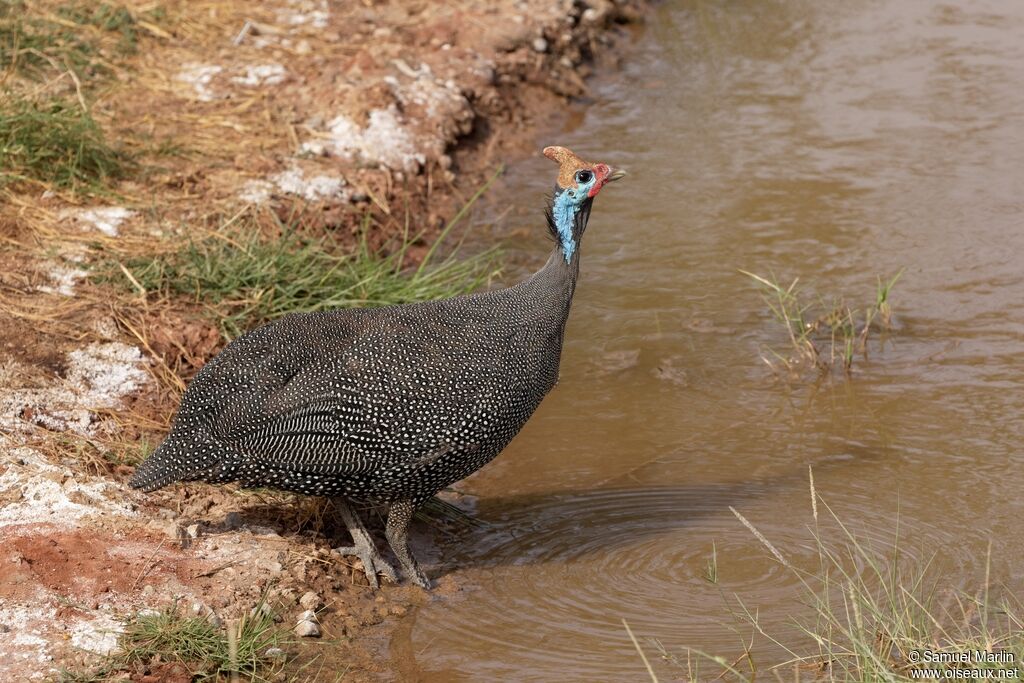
(536,528)
(527,528)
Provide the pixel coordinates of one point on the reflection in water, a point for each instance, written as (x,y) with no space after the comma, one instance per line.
(831,141)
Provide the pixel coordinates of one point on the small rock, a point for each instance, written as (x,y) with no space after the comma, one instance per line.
(310,601)
(203,610)
(308,625)
(166,527)
(307,629)
(265,609)
(232,521)
(285,596)
(540,45)
(148,591)
(192,530)
(274,653)
(274,567)
(148,612)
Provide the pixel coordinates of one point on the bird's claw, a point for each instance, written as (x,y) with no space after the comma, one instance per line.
(373,563)
(420,579)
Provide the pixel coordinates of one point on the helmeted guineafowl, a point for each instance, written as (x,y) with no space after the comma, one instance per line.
(384,404)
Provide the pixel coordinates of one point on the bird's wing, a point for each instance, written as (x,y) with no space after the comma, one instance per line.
(343,397)
(329,419)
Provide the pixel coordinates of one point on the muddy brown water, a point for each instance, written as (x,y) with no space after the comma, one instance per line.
(831,141)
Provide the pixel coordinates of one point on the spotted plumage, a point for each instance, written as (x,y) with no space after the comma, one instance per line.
(385,404)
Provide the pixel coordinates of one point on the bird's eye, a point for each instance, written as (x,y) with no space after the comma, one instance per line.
(584,176)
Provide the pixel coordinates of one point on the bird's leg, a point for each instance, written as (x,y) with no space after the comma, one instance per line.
(397,531)
(363,546)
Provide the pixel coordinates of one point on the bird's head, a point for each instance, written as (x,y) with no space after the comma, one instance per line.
(578,183)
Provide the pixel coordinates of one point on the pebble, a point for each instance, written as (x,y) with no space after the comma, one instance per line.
(308,625)
(148,612)
(265,609)
(310,601)
(202,610)
(540,45)
(148,591)
(192,530)
(232,520)
(274,653)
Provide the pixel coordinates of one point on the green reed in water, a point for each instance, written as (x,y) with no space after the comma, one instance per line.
(875,615)
(824,335)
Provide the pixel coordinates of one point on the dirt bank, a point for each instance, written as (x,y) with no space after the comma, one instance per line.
(388,113)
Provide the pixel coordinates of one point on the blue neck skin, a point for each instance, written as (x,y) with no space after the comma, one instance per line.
(564,209)
(564,212)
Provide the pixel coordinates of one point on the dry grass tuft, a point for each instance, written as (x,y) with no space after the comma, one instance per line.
(874,613)
(175,645)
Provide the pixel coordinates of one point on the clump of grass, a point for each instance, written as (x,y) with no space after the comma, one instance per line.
(874,615)
(55,142)
(106,17)
(244,278)
(208,651)
(33,44)
(823,335)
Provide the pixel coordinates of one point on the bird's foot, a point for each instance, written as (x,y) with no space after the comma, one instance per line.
(373,563)
(417,576)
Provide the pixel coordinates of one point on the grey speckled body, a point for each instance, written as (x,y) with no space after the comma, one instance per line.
(387,404)
(372,404)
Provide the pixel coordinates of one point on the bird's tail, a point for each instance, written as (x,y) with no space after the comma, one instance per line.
(196,456)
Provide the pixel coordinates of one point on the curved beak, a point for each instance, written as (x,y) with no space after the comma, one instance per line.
(615,174)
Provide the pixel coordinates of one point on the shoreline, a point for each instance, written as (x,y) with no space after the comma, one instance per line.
(343,114)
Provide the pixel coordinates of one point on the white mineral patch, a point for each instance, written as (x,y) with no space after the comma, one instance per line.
(97,635)
(257,191)
(436,97)
(384,141)
(293,181)
(106,219)
(313,13)
(63,280)
(24,641)
(97,377)
(103,373)
(199,76)
(34,491)
(261,74)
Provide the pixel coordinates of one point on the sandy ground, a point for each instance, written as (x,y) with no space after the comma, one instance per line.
(345,109)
